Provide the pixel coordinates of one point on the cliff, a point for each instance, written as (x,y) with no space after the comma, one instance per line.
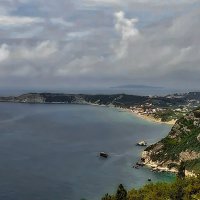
(181,144)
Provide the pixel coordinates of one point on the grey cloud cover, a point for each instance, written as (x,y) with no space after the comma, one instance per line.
(85,43)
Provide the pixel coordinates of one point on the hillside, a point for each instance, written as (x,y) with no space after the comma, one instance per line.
(180,189)
(182,144)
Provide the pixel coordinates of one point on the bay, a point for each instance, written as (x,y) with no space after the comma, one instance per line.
(50,152)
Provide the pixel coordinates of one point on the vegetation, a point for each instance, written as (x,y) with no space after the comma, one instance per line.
(121,193)
(193,165)
(168,115)
(181,189)
(181,171)
(181,143)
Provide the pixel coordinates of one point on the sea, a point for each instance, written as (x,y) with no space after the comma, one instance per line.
(51,151)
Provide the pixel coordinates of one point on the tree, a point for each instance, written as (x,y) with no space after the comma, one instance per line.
(107,197)
(121,193)
(182,189)
(181,171)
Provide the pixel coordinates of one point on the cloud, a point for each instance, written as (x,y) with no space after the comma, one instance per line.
(43,49)
(127,30)
(4,52)
(18,21)
(126,27)
(61,21)
(78,35)
(99,42)
(164,51)
(103,2)
(132,2)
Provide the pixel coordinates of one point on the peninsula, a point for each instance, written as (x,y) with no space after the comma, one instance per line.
(181,145)
(165,109)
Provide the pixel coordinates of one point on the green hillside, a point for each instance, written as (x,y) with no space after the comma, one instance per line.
(181,189)
(182,144)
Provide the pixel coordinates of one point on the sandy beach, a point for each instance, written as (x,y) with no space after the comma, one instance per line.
(142,116)
(149,118)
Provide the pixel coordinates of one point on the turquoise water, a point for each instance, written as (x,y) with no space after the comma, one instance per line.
(50,152)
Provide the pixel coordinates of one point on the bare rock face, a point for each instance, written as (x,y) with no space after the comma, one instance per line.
(189,155)
(198,137)
(30,98)
(181,144)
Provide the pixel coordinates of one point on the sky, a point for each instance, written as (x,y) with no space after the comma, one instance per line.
(99,43)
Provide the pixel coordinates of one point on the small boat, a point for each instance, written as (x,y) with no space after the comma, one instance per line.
(142,143)
(149,179)
(103,154)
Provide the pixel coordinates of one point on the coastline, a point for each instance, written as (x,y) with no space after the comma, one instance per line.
(148,117)
(142,116)
(151,165)
(158,167)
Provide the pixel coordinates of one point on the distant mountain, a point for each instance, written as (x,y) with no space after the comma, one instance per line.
(123,100)
(136,87)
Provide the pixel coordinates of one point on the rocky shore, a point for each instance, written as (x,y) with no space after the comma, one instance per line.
(160,167)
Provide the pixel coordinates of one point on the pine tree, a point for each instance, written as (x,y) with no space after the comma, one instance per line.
(121,193)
